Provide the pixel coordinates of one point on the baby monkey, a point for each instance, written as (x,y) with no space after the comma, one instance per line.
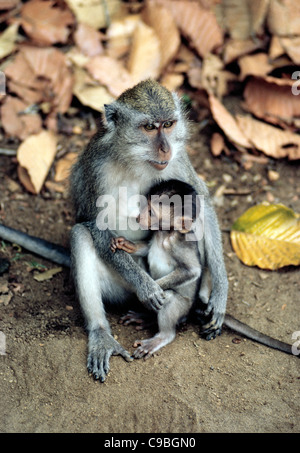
(173,256)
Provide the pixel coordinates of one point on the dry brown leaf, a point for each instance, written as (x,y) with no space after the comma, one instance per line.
(9,4)
(242,18)
(292,48)
(45,23)
(227,123)
(284,17)
(16,124)
(144,59)
(88,93)
(45,71)
(8,40)
(111,73)
(235,48)
(159,18)
(272,99)
(87,40)
(270,140)
(35,155)
(257,65)
(172,81)
(275,49)
(214,79)
(95,13)
(197,24)
(217,144)
(63,166)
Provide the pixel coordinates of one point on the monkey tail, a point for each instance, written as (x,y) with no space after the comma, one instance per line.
(255,335)
(53,252)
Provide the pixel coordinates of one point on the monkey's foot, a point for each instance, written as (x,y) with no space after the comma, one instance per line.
(101,347)
(142,320)
(146,348)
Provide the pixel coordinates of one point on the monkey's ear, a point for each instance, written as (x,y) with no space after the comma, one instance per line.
(110,117)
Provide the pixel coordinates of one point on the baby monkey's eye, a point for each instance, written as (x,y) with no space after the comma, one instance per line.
(149,127)
(168,124)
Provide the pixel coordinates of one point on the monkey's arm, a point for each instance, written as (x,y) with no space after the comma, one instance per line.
(53,252)
(140,282)
(178,277)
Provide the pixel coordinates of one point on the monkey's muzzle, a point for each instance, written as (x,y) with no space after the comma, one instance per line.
(159,165)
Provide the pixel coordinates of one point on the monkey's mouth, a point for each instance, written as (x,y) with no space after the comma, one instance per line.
(159,165)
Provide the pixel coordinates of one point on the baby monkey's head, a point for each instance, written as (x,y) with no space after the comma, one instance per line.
(171,205)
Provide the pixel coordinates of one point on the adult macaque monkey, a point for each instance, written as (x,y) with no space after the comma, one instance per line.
(142,142)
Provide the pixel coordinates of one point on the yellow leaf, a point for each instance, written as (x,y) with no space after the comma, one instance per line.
(267,236)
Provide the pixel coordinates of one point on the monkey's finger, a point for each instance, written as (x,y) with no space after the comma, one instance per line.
(123,353)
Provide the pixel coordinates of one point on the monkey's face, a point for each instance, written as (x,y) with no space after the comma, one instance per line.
(159,214)
(159,135)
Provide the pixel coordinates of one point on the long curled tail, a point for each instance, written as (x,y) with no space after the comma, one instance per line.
(53,252)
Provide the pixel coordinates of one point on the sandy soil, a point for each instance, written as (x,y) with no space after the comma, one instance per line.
(191,385)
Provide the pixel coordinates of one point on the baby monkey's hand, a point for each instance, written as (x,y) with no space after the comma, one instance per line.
(121,243)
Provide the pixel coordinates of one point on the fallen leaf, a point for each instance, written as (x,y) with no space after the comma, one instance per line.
(88,93)
(144,59)
(9,4)
(45,23)
(214,79)
(159,18)
(256,65)
(227,123)
(8,40)
(242,18)
(88,40)
(111,73)
(95,13)
(271,140)
(47,275)
(271,99)
(45,71)
(217,144)
(63,167)
(172,81)
(284,17)
(292,48)
(16,124)
(35,155)
(267,237)
(235,48)
(197,24)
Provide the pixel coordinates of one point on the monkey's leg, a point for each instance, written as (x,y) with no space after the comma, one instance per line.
(95,281)
(175,308)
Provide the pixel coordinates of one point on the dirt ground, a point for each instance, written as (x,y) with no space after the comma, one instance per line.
(191,385)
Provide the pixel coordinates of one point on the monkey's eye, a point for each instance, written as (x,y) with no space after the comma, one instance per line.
(149,127)
(168,124)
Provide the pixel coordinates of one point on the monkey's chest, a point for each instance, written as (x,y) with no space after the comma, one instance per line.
(159,260)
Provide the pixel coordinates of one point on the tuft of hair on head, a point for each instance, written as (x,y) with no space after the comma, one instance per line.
(177,187)
(150,98)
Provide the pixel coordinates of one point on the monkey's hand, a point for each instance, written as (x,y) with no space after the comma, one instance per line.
(150,294)
(122,244)
(101,347)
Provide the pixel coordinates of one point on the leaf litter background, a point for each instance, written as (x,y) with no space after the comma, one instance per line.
(233,61)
